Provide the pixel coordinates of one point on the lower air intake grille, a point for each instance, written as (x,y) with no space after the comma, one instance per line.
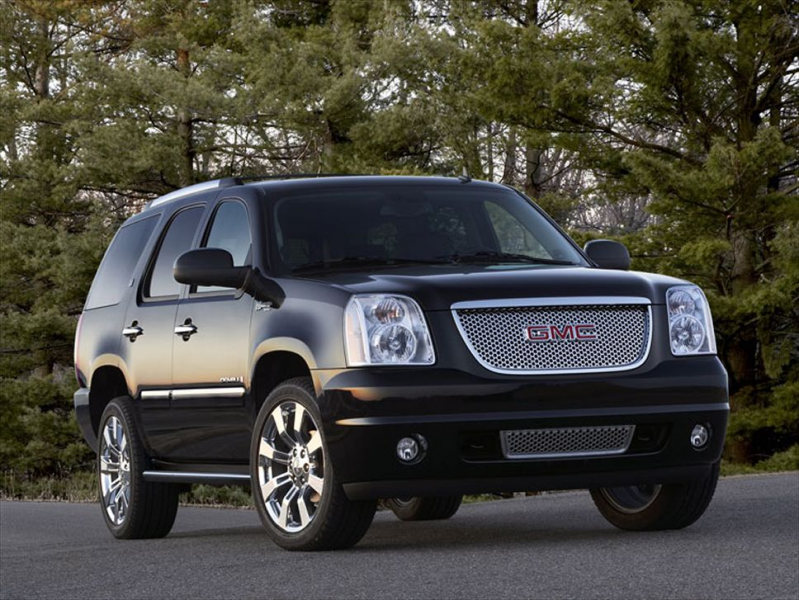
(567,441)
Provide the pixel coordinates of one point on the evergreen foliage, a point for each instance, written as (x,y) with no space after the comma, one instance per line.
(671,125)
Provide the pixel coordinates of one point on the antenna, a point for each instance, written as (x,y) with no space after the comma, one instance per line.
(464,177)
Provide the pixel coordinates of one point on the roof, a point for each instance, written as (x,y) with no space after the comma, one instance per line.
(314,181)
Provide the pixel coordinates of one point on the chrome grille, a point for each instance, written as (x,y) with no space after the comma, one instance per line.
(567,441)
(496,335)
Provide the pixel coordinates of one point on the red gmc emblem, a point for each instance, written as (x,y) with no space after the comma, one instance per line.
(547,333)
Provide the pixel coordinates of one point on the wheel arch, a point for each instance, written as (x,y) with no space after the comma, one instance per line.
(108,382)
(276,366)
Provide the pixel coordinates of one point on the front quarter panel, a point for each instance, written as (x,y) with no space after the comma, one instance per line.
(309,323)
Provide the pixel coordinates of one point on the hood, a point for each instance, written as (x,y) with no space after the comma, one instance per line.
(437,287)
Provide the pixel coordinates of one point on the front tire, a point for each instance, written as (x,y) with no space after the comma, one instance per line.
(657,507)
(132,507)
(425,509)
(298,498)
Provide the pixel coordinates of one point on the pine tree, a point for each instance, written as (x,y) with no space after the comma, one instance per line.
(691,105)
(670,124)
(44,229)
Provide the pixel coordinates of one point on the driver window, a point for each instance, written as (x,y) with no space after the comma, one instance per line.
(230,230)
(160,283)
(513,237)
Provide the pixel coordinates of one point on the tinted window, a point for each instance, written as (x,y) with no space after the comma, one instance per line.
(372,223)
(513,237)
(413,223)
(116,271)
(230,230)
(175,242)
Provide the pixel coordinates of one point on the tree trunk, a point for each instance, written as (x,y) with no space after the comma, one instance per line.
(490,150)
(534,177)
(509,168)
(533,156)
(185,126)
(741,352)
(41,79)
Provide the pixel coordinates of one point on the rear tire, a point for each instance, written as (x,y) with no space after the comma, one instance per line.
(132,507)
(425,509)
(295,490)
(657,507)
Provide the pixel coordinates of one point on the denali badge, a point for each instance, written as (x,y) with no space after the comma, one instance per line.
(546,333)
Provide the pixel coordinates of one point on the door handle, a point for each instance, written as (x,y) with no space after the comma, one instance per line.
(133,331)
(186,330)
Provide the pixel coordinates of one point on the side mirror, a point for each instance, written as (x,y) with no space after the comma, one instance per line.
(608,254)
(209,266)
(214,266)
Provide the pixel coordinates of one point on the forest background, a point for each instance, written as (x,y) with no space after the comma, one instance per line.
(670,125)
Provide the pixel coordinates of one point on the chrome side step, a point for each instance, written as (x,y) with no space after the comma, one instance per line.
(186,477)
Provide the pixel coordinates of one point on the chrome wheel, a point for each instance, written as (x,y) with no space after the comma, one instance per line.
(115,471)
(291,467)
(631,499)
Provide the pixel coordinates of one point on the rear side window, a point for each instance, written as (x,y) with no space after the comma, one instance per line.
(116,271)
(178,237)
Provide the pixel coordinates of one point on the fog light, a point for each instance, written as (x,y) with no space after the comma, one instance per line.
(411,449)
(699,436)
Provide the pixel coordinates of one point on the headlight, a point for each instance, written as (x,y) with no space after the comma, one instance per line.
(386,330)
(690,323)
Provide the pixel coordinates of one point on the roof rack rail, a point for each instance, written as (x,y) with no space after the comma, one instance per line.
(231,181)
(193,189)
(296,176)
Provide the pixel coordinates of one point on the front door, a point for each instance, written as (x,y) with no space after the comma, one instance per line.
(211,353)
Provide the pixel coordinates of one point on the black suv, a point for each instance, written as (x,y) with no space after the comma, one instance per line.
(335,341)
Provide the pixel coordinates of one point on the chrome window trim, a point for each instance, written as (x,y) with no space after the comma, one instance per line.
(554,302)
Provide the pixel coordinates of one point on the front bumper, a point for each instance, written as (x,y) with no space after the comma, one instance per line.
(366,411)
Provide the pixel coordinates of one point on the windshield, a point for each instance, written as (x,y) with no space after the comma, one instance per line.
(345,227)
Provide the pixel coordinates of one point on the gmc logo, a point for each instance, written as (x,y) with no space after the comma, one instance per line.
(547,333)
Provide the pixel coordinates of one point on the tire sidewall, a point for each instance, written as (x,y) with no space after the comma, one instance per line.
(677,505)
(435,508)
(641,520)
(136,467)
(294,393)
(404,510)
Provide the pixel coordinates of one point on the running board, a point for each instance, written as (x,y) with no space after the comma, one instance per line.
(186,477)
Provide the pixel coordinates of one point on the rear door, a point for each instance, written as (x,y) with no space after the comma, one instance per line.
(149,328)
(211,352)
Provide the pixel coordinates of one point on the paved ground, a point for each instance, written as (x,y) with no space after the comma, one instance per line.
(746,546)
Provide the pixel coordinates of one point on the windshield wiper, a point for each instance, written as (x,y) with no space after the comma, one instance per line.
(484,256)
(365,261)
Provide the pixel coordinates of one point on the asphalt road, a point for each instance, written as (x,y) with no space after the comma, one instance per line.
(552,546)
